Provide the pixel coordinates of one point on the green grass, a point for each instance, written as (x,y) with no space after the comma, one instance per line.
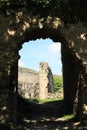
(68,117)
(49,100)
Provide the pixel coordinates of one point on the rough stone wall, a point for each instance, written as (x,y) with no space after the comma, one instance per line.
(45,80)
(27,75)
(28,90)
(24,26)
(71,70)
(28,83)
(51,82)
(32,84)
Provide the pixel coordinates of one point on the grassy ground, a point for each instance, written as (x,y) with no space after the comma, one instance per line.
(46,115)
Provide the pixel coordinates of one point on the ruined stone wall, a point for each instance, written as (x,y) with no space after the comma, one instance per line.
(28,83)
(45,80)
(32,84)
(24,26)
(27,75)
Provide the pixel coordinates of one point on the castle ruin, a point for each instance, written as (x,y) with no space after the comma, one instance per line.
(32,84)
(28,21)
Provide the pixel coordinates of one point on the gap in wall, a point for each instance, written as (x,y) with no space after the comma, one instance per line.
(34,52)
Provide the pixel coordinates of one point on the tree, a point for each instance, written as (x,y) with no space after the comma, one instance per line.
(70,11)
(57,82)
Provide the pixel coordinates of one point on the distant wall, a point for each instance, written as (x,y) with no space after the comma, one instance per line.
(27,75)
(33,84)
(28,82)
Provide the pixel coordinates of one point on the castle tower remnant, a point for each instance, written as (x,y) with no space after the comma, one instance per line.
(45,80)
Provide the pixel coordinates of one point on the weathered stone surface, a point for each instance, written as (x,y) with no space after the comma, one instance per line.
(24,26)
(27,75)
(32,84)
(28,83)
(45,80)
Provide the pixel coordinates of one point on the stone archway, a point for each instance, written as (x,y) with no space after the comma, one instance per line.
(25,26)
(70,65)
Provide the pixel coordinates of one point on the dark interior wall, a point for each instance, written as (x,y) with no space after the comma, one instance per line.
(9,70)
(13,93)
(8,85)
(26,24)
(70,78)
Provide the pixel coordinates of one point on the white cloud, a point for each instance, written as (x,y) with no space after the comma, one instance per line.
(21,64)
(55,58)
(55,48)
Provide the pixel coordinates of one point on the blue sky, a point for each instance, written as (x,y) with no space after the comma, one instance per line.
(34,52)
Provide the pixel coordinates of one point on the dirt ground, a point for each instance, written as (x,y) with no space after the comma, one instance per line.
(46,116)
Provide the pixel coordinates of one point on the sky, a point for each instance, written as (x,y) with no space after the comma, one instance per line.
(34,52)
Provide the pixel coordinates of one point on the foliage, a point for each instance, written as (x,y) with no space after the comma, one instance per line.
(68,117)
(70,11)
(41,101)
(57,82)
(42,1)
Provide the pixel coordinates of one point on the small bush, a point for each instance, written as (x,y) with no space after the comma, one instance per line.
(58,81)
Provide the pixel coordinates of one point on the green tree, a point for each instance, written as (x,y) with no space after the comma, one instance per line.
(57,82)
(70,11)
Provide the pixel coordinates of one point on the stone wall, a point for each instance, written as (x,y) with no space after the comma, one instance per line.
(27,24)
(32,84)
(28,83)
(27,75)
(45,81)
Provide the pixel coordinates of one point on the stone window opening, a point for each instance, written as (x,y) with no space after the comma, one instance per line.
(53,48)
(69,63)
(25,26)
